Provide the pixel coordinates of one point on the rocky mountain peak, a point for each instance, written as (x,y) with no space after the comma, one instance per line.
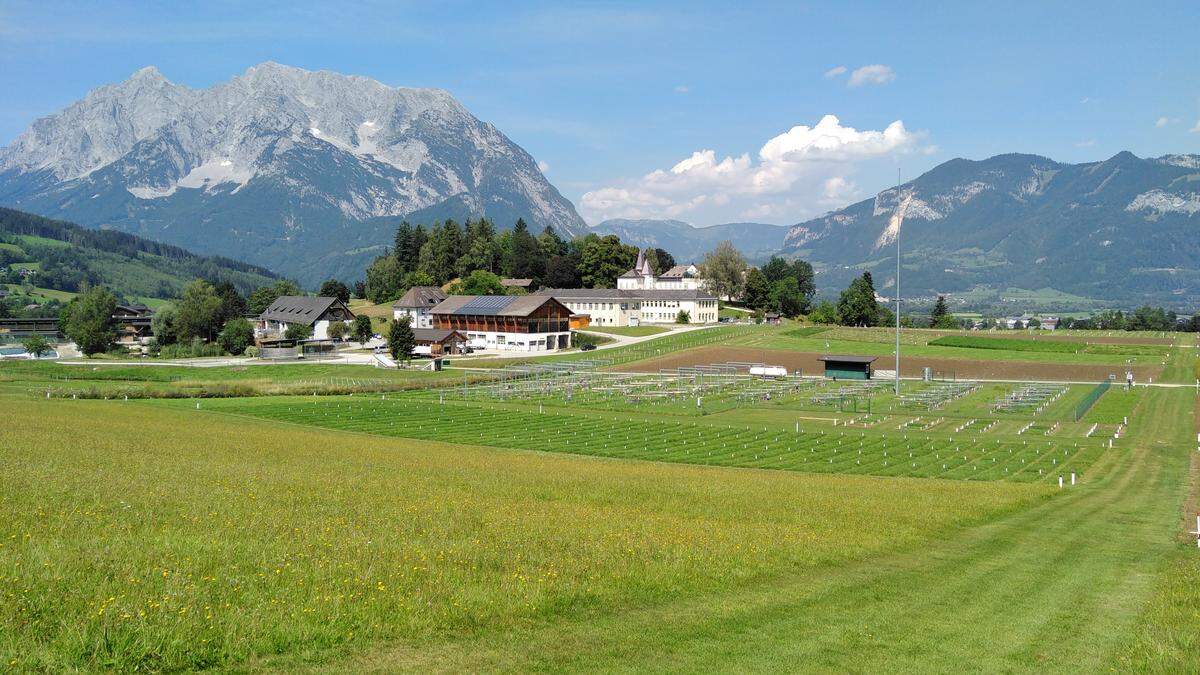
(325,147)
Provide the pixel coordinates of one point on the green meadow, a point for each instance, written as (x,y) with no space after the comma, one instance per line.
(334,518)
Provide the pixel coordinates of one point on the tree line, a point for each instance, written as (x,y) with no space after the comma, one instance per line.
(479,256)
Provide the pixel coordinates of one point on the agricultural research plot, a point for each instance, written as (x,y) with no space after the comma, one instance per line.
(583,383)
(1029,399)
(938,395)
(848,451)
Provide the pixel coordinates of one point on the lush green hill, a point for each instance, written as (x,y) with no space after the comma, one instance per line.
(64,256)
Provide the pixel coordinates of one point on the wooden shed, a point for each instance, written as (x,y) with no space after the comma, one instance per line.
(847,367)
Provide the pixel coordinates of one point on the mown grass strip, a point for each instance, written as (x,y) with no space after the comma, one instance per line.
(1047,346)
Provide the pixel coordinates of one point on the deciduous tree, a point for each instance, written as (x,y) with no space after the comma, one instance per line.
(89,323)
(237,334)
(334,289)
(401,340)
(362,329)
(758,289)
(199,312)
(724,271)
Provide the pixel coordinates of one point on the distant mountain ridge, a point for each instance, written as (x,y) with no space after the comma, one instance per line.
(306,172)
(1124,229)
(757,241)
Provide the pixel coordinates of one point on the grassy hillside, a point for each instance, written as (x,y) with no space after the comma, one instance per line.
(66,257)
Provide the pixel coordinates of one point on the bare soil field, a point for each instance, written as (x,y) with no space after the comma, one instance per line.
(909,366)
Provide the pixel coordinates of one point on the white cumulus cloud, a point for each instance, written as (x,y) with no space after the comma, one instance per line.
(876,73)
(835,71)
(1162,122)
(1086,143)
(801,172)
(682,89)
(543,166)
(1195,129)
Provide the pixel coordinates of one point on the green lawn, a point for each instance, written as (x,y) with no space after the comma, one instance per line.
(1091,581)
(127,545)
(394,532)
(137,381)
(631,331)
(1047,346)
(827,343)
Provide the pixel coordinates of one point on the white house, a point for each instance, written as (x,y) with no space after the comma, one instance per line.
(624,307)
(416,304)
(290,310)
(642,278)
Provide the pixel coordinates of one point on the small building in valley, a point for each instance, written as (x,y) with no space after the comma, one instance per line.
(416,304)
(132,322)
(435,342)
(290,310)
(506,322)
(847,367)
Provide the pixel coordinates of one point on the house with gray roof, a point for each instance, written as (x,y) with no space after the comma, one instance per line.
(416,304)
(290,310)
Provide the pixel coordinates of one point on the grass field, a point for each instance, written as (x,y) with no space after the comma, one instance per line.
(852,451)
(481,521)
(1048,346)
(126,545)
(915,344)
(631,331)
(160,381)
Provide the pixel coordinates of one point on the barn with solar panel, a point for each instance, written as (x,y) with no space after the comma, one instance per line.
(528,323)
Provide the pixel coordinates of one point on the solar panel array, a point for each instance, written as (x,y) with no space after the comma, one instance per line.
(486,305)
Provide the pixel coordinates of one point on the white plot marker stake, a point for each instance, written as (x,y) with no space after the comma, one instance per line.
(1060,482)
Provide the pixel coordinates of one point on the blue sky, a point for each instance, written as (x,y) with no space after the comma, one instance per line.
(607,94)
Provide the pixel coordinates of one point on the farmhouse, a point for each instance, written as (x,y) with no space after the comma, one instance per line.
(438,341)
(617,307)
(844,367)
(133,325)
(642,278)
(416,304)
(292,310)
(506,322)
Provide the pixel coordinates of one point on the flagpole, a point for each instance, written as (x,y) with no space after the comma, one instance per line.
(899,215)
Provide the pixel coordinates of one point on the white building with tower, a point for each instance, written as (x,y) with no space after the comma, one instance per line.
(642,278)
